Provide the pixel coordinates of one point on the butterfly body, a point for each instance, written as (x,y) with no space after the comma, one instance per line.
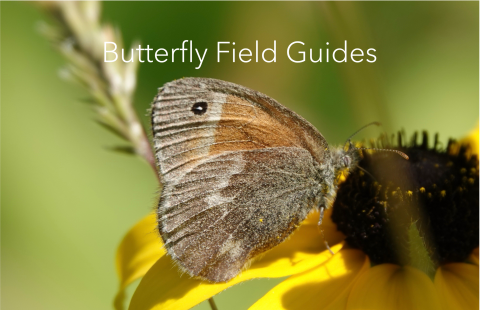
(240,173)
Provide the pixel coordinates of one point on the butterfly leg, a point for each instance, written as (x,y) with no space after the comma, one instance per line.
(322,210)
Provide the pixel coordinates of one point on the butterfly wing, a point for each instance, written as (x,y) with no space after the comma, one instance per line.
(240,172)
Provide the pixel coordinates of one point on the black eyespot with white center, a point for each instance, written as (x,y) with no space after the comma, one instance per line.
(200,108)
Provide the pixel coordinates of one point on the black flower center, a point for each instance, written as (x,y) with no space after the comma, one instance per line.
(435,190)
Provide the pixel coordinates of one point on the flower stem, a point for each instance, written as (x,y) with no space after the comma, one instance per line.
(212,303)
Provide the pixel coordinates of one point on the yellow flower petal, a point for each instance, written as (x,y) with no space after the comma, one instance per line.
(392,287)
(473,258)
(139,250)
(473,140)
(163,287)
(324,287)
(457,286)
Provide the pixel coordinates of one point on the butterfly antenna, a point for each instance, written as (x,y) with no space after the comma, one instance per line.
(384,150)
(372,123)
(373,149)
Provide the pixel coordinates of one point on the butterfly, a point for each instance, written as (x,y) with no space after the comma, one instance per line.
(240,172)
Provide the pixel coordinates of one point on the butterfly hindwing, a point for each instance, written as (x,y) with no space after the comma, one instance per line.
(236,205)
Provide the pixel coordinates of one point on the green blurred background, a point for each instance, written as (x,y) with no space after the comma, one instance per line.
(67,201)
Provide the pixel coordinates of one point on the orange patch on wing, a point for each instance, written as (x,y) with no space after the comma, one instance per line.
(244,126)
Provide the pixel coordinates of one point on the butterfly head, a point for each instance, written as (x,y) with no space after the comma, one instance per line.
(344,159)
(348,155)
(351,154)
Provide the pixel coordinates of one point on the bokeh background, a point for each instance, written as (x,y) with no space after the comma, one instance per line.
(67,200)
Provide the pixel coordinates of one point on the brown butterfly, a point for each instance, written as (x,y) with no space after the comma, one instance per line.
(240,173)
